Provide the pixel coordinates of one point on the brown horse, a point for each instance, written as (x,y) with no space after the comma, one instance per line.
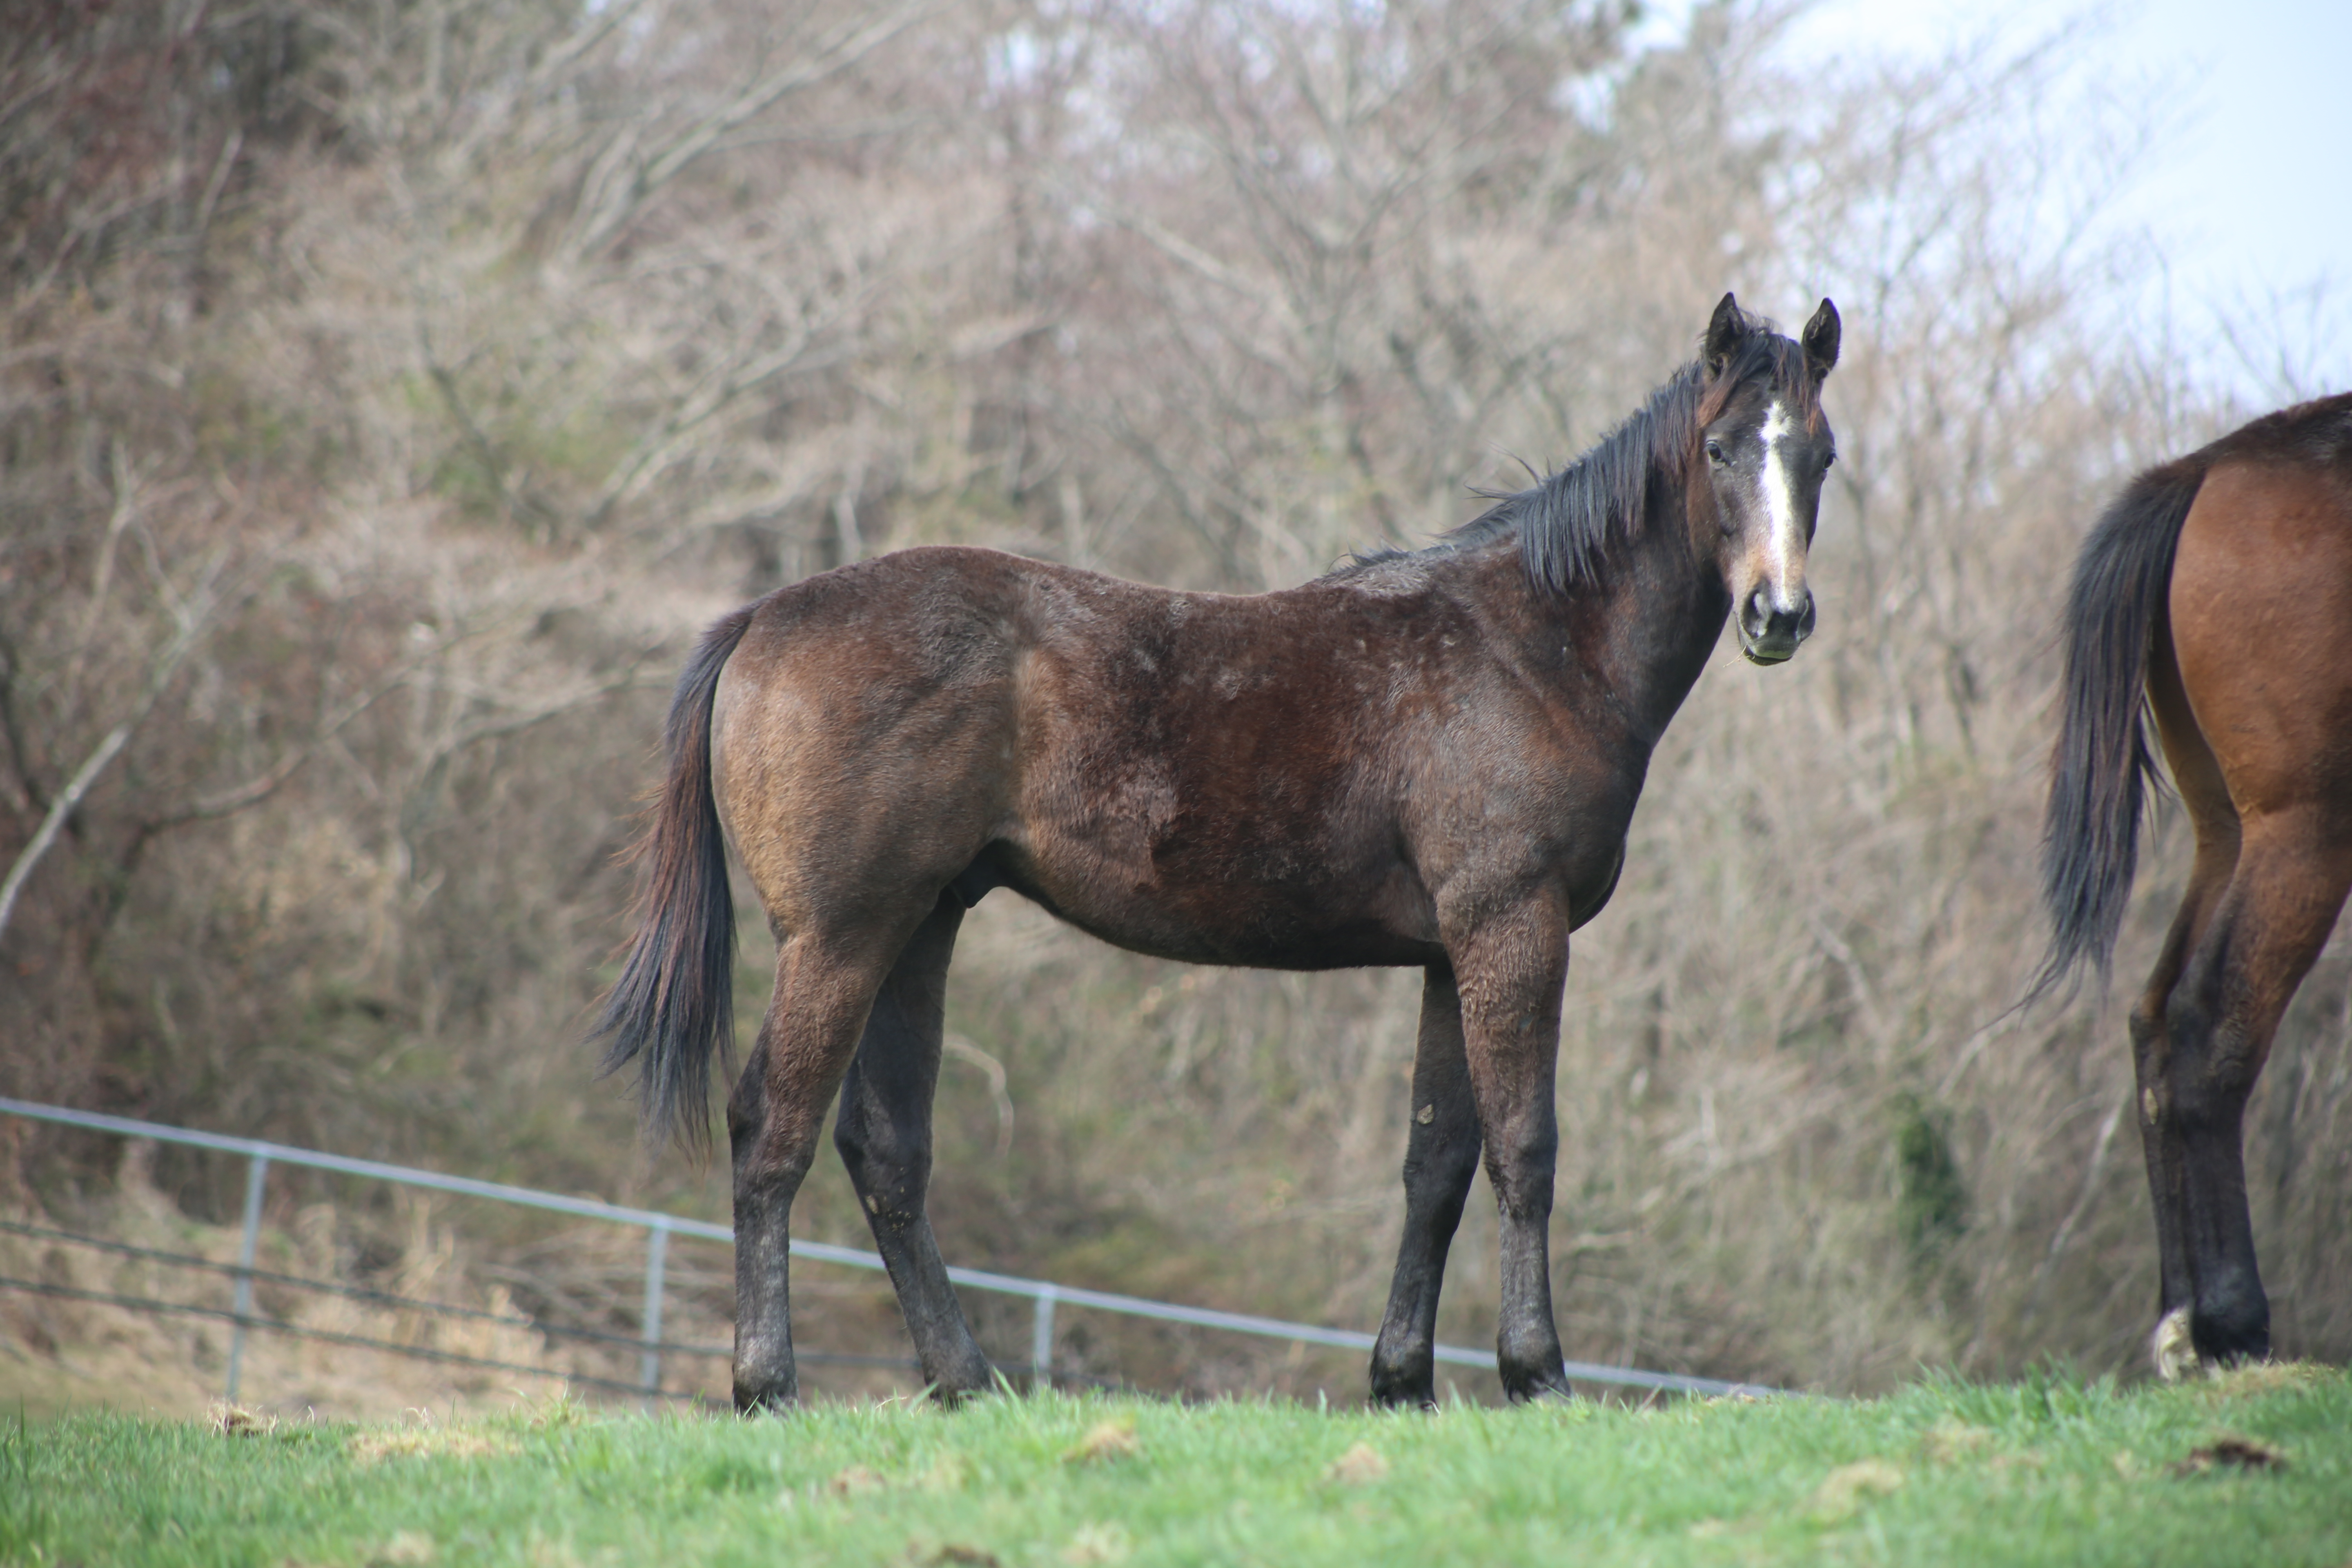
(2220,586)
(1426,759)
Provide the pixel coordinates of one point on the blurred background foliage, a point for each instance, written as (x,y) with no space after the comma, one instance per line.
(391,389)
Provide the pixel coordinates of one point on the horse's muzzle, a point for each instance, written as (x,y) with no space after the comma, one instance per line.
(1770,636)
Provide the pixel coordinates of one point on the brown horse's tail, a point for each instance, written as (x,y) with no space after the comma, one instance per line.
(2099,773)
(674,1002)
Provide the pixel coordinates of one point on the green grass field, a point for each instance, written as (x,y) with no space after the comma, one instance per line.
(2254,1469)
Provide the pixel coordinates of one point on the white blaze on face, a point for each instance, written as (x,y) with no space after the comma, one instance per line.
(1784,548)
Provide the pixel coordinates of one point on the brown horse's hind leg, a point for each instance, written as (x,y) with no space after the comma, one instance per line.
(2218,1021)
(1440,1157)
(2259,596)
(774,1116)
(883,1134)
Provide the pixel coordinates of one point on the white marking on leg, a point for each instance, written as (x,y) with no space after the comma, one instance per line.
(2174,1351)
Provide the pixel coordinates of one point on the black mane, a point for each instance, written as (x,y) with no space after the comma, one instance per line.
(1565,523)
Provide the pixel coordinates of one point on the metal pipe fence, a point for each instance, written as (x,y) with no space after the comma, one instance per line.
(1044,1296)
(392,1299)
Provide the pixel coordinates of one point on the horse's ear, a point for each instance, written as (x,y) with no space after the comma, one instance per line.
(1821,340)
(1723,334)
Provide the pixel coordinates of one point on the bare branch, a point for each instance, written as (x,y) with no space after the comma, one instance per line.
(166,665)
(624,182)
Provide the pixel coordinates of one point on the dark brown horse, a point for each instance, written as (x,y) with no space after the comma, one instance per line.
(1426,759)
(2219,585)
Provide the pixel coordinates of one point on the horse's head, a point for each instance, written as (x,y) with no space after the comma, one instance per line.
(1764,444)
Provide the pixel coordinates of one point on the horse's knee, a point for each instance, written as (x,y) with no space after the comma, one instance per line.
(877,1150)
(769,1170)
(889,1162)
(871,1140)
(1520,1162)
(747,1102)
(1441,1168)
(2188,1020)
(2212,1069)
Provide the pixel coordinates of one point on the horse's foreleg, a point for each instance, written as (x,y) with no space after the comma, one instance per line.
(1440,1157)
(773,1119)
(883,1134)
(2282,903)
(1509,972)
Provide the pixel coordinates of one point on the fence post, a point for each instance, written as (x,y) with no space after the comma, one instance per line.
(254,1173)
(1040,1340)
(649,1364)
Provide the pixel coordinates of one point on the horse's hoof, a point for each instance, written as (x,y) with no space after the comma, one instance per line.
(1530,1385)
(955,1397)
(1404,1393)
(966,1377)
(767,1399)
(1408,1381)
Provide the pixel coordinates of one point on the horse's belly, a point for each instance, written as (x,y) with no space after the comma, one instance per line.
(1266,942)
(1237,919)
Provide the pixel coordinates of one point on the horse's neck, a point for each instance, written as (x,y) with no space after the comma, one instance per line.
(1645,627)
(1663,608)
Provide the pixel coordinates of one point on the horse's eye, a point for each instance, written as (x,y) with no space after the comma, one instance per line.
(1715,453)
(1829,461)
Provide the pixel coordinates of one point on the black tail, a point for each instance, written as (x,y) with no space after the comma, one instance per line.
(2098,775)
(675,1000)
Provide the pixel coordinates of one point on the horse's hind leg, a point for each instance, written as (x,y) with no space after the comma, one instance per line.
(1440,1157)
(2249,683)
(775,1115)
(2219,1020)
(883,1134)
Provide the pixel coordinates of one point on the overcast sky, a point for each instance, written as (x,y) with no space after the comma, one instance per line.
(2248,191)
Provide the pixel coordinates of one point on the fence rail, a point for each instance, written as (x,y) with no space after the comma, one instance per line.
(1045,1296)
